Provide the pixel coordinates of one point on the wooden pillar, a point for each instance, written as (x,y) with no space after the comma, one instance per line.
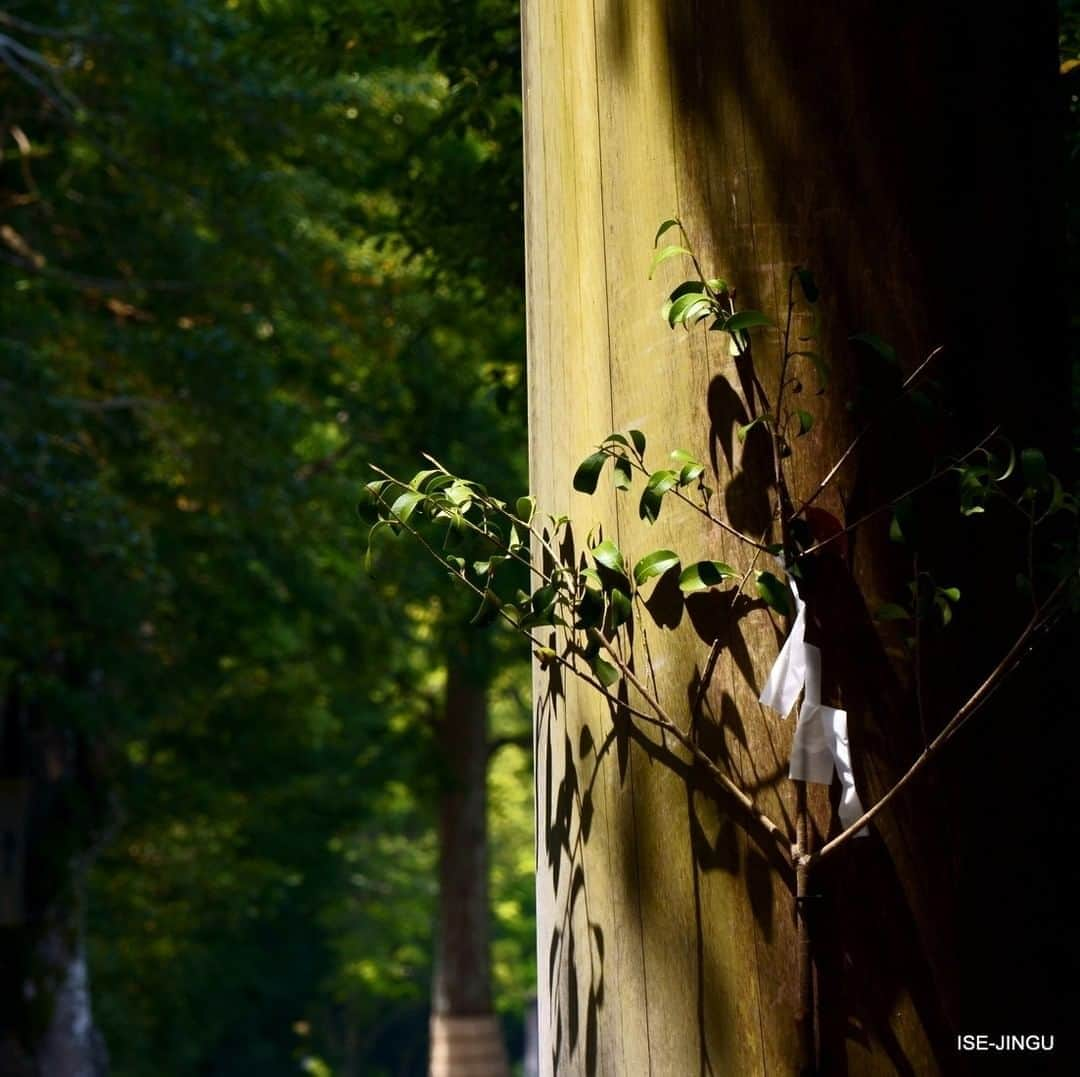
(846,137)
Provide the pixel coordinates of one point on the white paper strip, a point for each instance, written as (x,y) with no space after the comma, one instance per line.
(820,744)
(789,670)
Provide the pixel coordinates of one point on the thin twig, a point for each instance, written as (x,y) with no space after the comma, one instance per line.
(666,721)
(717,646)
(832,472)
(918,650)
(703,510)
(975,701)
(900,497)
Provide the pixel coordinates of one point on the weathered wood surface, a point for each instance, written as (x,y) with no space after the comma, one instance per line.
(809,135)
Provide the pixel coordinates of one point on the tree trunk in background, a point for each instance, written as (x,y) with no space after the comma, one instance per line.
(898,151)
(466,1040)
(46,1021)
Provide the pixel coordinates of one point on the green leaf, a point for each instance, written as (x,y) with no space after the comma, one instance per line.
(663,480)
(605,672)
(690,468)
(544,598)
(747,319)
(806,421)
(1010,466)
(666,226)
(890,611)
(460,494)
(1057,496)
(654,564)
(515,542)
(620,609)
(901,528)
(774,592)
(651,498)
(545,656)
(686,308)
(525,509)
(609,555)
(943,608)
(588,473)
(809,286)
(689,473)
(742,431)
(622,473)
(876,344)
(951,593)
(488,611)
(421,477)
(704,574)
(491,565)
(1033,467)
(375,488)
(405,505)
(697,312)
(369,555)
(663,255)
(696,287)
(638,438)
(590,609)
(592,579)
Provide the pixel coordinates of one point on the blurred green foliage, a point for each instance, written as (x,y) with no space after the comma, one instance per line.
(247,247)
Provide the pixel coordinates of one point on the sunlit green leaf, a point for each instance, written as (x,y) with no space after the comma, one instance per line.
(545,656)
(663,255)
(705,574)
(654,564)
(405,505)
(742,431)
(687,306)
(609,555)
(747,319)
(591,578)
(666,226)
(1010,464)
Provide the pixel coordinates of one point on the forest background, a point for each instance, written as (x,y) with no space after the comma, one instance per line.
(248,247)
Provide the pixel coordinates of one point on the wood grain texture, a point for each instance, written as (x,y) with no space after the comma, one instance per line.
(824,136)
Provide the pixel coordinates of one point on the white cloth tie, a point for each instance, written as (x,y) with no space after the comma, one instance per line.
(821,739)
